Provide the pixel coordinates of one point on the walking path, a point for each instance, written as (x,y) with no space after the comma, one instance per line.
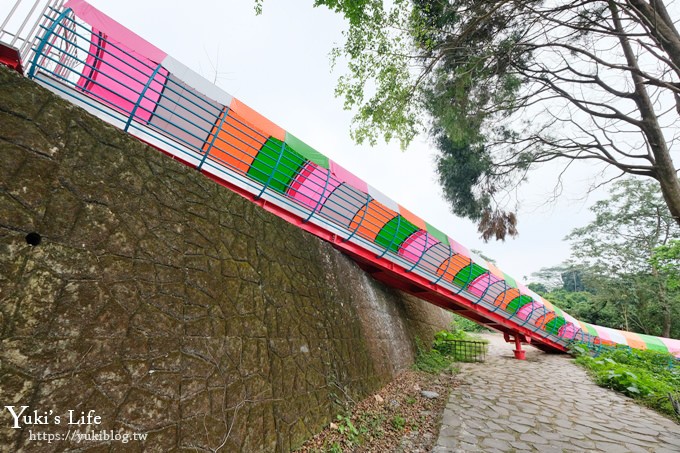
(545,404)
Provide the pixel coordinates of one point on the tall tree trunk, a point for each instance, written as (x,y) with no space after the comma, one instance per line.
(670,185)
(661,26)
(667,321)
(664,169)
(662,297)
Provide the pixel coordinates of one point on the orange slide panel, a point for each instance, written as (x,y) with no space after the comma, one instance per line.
(257,120)
(371,219)
(237,142)
(634,341)
(452,266)
(506,297)
(411,217)
(543,321)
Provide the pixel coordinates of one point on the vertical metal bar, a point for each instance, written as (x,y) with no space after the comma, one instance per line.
(504,292)
(23,24)
(447,266)
(141,97)
(427,237)
(487,288)
(44,39)
(27,50)
(212,141)
(318,203)
(469,279)
(363,216)
(28,42)
(11,13)
(271,175)
(394,237)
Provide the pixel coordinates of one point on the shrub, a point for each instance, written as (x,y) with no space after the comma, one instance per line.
(444,342)
(464,324)
(431,361)
(648,376)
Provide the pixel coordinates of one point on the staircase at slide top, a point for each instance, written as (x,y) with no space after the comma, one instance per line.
(86,57)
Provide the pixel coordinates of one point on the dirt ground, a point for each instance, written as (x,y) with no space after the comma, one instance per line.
(399,418)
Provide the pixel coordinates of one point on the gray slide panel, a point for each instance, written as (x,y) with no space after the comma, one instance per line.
(343,204)
(185,114)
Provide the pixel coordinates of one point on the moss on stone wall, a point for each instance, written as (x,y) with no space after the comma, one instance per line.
(168,304)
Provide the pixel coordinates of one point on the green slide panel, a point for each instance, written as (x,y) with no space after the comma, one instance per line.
(468,274)
(277,164)
(554,325)
(394,233)
(591,330)
(653,343)
(510,281)
(517,303)
(434,232)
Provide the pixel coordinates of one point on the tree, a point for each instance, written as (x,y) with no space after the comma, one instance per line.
(567,276)
(666,258)
(607,300)
(504,85)
(630,248)
(538,288)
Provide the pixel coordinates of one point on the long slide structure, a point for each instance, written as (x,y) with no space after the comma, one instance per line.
(86,57)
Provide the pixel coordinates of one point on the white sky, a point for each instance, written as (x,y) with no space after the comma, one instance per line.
(278,64)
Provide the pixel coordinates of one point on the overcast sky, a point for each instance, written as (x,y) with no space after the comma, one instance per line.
(278,64)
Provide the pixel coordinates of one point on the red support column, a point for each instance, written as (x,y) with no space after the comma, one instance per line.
(515,337)
(519,353)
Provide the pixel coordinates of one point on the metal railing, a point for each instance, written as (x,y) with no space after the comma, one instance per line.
(145,99)
(19,28)
(465,350)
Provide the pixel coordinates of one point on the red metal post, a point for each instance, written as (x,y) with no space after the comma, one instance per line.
(509,337)
(519,353)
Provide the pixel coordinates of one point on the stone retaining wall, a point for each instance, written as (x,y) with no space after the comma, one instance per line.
(166,303)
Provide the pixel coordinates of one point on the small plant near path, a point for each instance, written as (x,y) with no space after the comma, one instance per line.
(397,418)
(650,377)
(400,417)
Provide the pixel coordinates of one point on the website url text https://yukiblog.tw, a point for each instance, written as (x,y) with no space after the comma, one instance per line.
(77,436)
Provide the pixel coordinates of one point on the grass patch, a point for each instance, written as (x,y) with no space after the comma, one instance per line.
(398,422)
(447,343)
(443,354)
(464,324)
(431,361)
(652,378)
(381,422)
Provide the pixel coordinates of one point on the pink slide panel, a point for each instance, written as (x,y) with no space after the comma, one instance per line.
(118,79)
(312,186)
(104,23)
(603,333)
(526,310)
(567,331)
(672,345)
(414,247)
(459,248)
(348,177)
(479,285)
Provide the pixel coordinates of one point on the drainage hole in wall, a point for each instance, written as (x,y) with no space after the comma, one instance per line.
(33,239)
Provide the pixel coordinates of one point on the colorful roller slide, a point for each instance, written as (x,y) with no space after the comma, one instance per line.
(96,63)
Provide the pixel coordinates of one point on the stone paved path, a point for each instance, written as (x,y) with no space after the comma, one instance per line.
(545,404)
